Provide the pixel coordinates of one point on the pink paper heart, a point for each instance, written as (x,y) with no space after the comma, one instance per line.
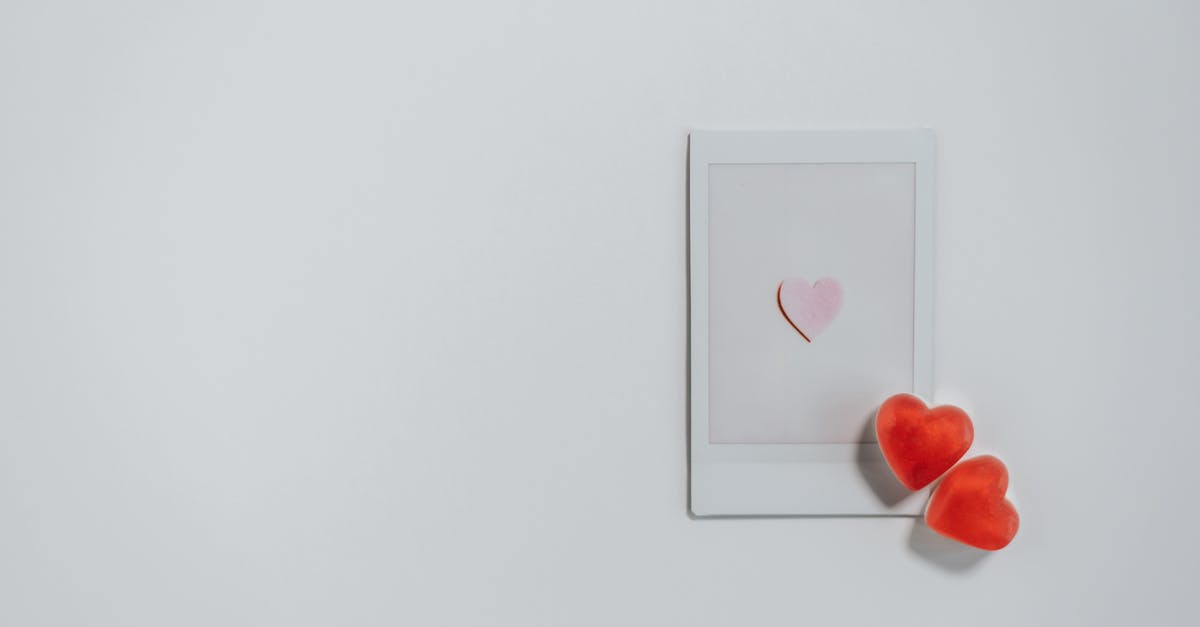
(809,308)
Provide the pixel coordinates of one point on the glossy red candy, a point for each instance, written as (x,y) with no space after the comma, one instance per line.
(969,505)
(921,443)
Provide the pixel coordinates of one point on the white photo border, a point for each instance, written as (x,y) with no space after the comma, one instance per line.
(834,479)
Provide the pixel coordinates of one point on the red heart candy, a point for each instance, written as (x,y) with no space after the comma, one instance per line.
(969,505)
(920,443)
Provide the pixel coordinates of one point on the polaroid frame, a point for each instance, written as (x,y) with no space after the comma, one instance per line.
(817,479)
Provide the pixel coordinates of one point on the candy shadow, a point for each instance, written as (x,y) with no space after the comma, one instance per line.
(874,469)
(923,542)
(941,551)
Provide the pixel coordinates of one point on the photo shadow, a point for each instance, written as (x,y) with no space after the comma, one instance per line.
(687,323)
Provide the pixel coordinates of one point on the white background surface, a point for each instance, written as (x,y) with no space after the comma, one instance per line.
(770,222)
(374,313)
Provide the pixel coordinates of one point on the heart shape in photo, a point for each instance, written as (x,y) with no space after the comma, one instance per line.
(969,505)
(918,442)
(809,308)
